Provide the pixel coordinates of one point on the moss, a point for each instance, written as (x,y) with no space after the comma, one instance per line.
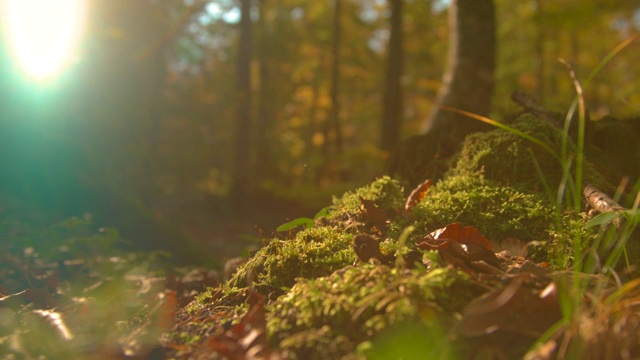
(321,307)
(312,253)
(385,192)
(496,211)
(332,316)
(509,159)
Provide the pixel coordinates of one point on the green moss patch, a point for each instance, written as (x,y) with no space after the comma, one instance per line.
(313,253)
(497,211)
(509,159)
(332,316)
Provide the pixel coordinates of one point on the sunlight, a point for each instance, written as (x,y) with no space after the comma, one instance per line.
(43,33)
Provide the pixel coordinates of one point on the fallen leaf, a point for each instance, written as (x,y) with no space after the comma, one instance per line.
(373,215)
(461,234)
(167,311)
(245,340)
(41,298)
(417,195)
(521,307)
(462,247)
(366,247)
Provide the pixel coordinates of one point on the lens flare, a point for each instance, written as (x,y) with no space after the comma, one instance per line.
(43,33)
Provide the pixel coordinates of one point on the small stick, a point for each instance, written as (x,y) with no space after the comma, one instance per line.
(599,201)
(532,105)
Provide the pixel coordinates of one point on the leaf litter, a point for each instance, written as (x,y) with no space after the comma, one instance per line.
(163,317)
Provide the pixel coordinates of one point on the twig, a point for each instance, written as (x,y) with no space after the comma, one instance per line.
(599,201)
(532,105)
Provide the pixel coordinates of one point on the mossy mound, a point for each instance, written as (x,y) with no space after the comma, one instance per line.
(509,159)
(497,211)
(331,317)
(312,253)
(387,193)
(323,302)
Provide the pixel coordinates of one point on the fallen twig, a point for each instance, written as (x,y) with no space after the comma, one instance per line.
(598,200)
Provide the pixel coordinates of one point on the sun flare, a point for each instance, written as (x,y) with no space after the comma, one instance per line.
(43,33)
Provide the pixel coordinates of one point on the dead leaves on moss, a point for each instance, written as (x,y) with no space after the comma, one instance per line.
(526,305)
(462,247)
(373,216)
(417,195)
(521,302)
(378,220)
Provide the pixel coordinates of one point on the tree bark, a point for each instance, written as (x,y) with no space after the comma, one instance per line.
(331,128)
(467,85)
(335,76)
(539,63)
(469,80)
(392,102)
(264,134)
(242,154)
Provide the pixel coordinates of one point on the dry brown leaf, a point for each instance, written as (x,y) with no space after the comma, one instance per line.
(462,247)
(461,234)
(366,247)
(520,307)
(417,195)
(373,215)
(247,339)
(41,298)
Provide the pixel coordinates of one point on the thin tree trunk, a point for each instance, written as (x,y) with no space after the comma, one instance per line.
(392,101)
(242,154)
(264,165)
(331,127)
(469,79)
(539,61)
(313,115)
(335,77)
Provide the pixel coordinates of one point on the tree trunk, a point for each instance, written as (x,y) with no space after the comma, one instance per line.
(392,102)
(467,85)
(264,135)
(540,50)
(469,79)
(242,154)
(331,128)
(335,77)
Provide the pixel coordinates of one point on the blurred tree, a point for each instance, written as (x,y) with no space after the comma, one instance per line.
(265,117)
(332,127)
(241,185)
(469,79)
(392,109)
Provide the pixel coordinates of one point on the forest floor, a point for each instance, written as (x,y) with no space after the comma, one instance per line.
(477,264)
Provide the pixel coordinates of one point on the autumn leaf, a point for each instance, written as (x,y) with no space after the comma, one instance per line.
(366,247)
(463,247)
(522,307)
(245,340)
(417,195)
(373,215)
(461,234)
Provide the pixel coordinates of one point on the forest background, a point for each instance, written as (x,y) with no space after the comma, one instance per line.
(179,120)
